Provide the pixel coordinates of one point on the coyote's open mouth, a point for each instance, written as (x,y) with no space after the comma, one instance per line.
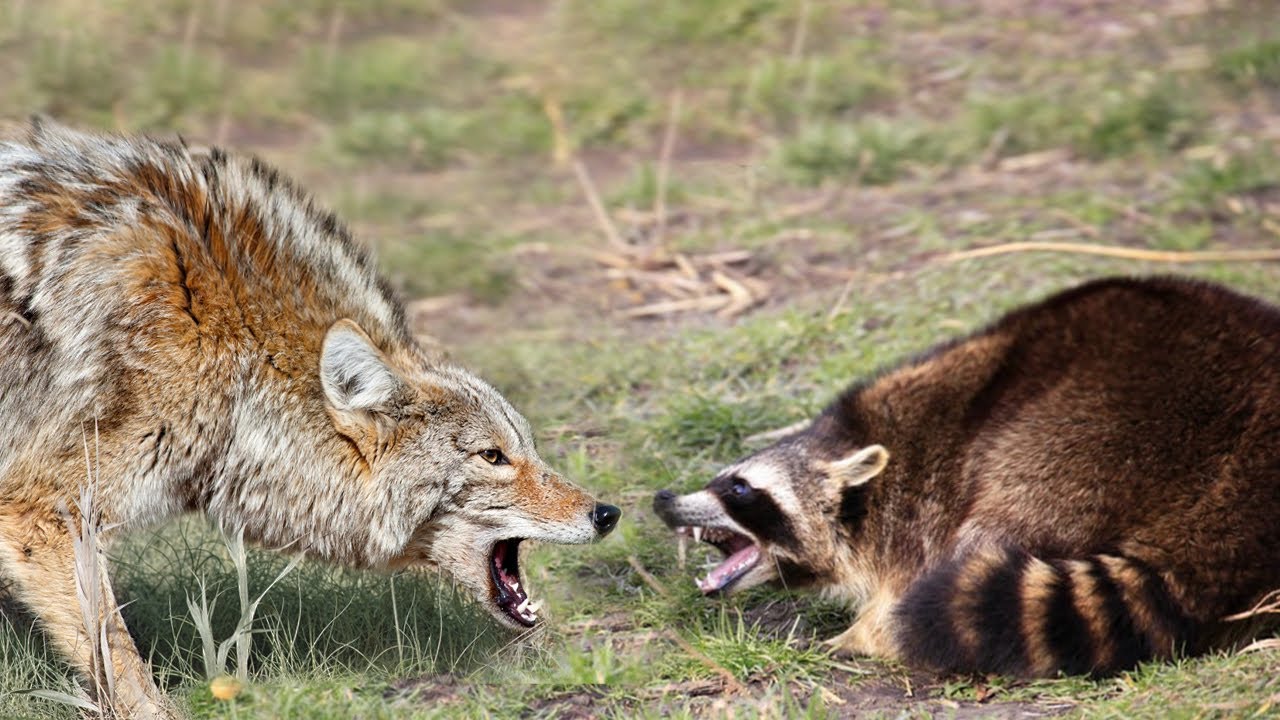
(740,555)
(504,572)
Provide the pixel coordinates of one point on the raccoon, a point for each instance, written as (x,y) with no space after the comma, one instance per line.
(1090,482)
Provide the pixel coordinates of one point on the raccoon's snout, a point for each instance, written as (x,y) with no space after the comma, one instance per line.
(662,506)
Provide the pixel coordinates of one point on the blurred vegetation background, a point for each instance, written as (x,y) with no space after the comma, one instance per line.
(445,130)
(661,227)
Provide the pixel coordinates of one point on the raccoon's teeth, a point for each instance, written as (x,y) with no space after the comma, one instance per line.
(524,605)
(534,607)
(682,544)
(515,586)
(697,534)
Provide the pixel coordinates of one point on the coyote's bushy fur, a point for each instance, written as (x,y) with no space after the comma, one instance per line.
(232,351)
(1092,481)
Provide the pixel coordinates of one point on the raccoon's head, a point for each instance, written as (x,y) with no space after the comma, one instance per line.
(775,515)
(462,483)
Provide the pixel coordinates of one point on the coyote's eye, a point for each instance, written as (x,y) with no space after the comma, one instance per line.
(493,456)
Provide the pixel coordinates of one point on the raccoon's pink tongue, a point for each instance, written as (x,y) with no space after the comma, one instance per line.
(731,569)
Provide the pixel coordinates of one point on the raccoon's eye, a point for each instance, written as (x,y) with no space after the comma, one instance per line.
(740,487)
(493,456)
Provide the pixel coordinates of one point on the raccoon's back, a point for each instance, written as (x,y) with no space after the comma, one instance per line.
(1119,468)
(1126,410)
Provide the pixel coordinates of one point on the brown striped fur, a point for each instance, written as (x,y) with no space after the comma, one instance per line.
(222,345)
(1091,482)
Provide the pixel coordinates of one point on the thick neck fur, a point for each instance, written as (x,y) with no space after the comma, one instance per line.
(347,514)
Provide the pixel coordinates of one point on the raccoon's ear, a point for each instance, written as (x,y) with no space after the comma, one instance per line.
(355,374)
(857,468)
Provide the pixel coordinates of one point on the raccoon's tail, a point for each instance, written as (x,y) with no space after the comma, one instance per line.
(1007,612)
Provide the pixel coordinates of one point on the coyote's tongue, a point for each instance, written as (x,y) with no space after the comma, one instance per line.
(731,569)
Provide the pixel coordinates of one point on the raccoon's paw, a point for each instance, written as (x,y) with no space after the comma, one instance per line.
(845,645)
(862,639)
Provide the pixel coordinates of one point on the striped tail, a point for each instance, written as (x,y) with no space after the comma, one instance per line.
(1007,612)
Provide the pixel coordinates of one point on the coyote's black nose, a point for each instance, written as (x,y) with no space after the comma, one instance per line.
(604,517)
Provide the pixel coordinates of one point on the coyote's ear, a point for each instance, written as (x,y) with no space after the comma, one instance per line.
(856,469)
(355,374)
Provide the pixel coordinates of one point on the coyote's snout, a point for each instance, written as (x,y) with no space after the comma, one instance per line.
(240,357)
(471,484)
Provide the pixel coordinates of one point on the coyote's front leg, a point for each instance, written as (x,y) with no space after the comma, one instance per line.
(37,553)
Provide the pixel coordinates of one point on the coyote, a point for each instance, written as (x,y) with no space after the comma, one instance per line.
(1092,481)
(225,347)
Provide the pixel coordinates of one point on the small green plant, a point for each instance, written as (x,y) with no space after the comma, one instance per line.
(69,73)
(598,663)
(1205,183)
(179,82)
(446,262)
(876,151)
(1155,116)
(710,425)
(215,654)
(384,74)
(423,140)
(745,650)
(1251,65)
(783,93)
(1005,126)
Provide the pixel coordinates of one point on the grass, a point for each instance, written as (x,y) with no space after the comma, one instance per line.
(1253,64)
(845,145)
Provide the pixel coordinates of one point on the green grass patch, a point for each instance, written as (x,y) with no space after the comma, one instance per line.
(1255,64)
(444,261)
(1204,184)
(875,151)
(1157,115)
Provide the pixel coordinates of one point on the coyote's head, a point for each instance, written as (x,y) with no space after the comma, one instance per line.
(466,483)
(782,514)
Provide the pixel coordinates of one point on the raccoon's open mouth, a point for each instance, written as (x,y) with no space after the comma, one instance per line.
(504,571)
(740,555)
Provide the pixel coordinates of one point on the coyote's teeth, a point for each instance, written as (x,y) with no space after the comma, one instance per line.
(697,534)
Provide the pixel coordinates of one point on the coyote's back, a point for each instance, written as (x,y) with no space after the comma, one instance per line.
(116,253)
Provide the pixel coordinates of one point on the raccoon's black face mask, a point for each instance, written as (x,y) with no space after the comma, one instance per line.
(771,515)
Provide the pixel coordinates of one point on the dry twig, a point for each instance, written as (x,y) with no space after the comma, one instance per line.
(732,686)
(1269,604)
(597,206)
(1165,256)
(740,298)
(670,307)
(647,577)
(777,434)
(664,168)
